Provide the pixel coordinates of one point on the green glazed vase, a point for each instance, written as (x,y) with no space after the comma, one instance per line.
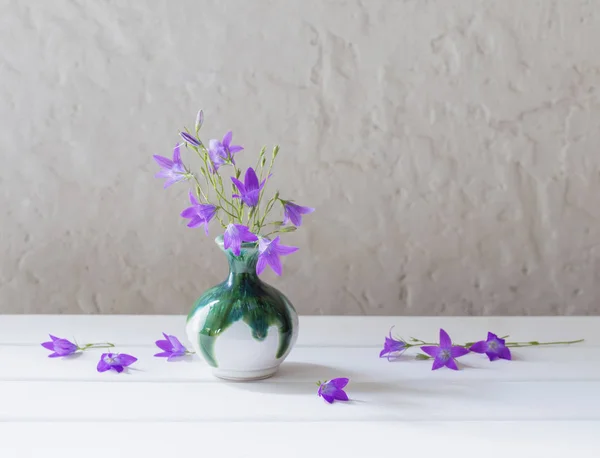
(243,327)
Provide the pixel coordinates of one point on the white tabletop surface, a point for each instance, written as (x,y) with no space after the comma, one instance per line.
(544,403)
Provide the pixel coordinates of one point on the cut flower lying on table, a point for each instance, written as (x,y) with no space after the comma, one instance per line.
(445,353)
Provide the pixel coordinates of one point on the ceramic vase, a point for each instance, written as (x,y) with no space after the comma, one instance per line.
(242,327)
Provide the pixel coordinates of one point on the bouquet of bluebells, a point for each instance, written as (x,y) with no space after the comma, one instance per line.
(240,207)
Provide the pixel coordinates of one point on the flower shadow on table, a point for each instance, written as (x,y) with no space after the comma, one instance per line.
(294,378)
(299,378)
(77,355)
(183,359)
(393,398)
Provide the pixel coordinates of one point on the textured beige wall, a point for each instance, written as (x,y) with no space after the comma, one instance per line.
(451,149)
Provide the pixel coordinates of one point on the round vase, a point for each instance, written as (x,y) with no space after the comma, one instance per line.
(243,327)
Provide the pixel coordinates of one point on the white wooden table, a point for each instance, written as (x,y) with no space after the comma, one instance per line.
(544,403)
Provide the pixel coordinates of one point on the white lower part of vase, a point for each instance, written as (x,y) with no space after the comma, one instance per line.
(238,355)
(245,376)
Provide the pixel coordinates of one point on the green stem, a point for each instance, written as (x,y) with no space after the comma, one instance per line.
(199,188)
(250,215)
(418,342)
(260,196)
(267,210)
(535,343)
(96,345)
(210,180)
(271,233)
(240,207)
(230,214)
(207,201)
(220,192)
(260,156)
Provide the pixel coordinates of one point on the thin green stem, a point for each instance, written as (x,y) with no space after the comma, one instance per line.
(418,342)
(267,210)
(240,207)
(258,162)
(96,345)
(535,343)
(260,196)
(210,179)
(230,214)
(271,233)
(199,188)
(250,215)
(223,225)
(221,193)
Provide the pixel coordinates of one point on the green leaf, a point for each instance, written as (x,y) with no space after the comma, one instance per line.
(288,229)
(422,356)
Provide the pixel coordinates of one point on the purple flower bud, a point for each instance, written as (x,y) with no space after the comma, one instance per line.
(190,140)
(199,120)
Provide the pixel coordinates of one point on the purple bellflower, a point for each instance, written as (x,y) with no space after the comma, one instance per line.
(493,347)
(171,169)
(190,140)
(269,252)
(235,235)
(198,213)
(171,348)
(60,347)
(221,152)
(392,348)
(445,353)
(249,190)
(293,212)
(333,390)
(116,361)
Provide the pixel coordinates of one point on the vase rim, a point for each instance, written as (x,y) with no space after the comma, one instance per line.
(219,241)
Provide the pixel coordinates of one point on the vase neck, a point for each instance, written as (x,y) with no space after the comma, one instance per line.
(245,263)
